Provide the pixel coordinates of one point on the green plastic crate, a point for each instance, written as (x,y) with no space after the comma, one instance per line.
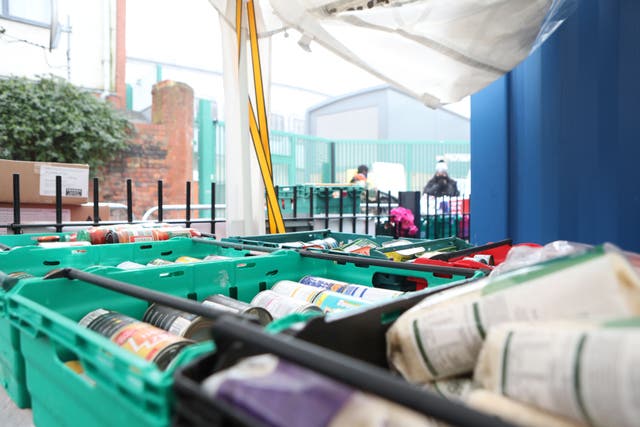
(38,261)
(440,226)
(276,240)
(45,313)
(445,245)
(320,195)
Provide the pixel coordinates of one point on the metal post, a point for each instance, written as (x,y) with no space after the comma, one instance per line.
(129,202)
(96,204)
(58,203)
(188,204)
(16,204)
(160,214)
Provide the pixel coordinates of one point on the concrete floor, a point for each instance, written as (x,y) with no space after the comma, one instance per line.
(11,415)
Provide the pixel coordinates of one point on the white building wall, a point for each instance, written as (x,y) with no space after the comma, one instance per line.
(24,48)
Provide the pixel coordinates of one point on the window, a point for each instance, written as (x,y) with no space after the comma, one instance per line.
(35,12)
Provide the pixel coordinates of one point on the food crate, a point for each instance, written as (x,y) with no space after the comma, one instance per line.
(277,240)
(38,261)
(46,312)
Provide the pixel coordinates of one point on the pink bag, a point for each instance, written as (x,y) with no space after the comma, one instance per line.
(403,220)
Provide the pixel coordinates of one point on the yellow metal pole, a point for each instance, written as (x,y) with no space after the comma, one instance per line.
(260,134)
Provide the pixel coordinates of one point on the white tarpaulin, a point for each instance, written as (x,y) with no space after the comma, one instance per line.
(438,51)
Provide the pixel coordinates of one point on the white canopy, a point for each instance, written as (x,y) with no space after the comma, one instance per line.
(438,51)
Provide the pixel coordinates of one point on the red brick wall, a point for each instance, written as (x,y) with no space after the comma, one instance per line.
(161,150)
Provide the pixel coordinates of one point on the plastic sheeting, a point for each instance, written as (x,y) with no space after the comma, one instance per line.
(438,51)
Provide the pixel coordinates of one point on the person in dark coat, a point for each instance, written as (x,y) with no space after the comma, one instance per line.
(441,184)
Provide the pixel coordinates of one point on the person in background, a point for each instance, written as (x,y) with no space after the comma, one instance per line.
(441,184)
(360,178)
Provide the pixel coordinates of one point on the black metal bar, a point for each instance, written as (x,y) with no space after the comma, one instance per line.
(96,201)
(16,204)
(295,201)
(427,225)
(354,202)
(378,208)
(340,209)
(58,203)
(326,208)
(311,211)
(345,369)
(469,222)
(236,245)
(366,212)
(160,203)
(445,256)
(129,202)
(332,159)
(466,272)
(213,208)
(188,204)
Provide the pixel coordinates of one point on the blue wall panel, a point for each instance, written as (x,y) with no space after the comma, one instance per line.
(572,117)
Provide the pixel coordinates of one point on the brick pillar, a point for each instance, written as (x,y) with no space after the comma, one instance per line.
(173,108)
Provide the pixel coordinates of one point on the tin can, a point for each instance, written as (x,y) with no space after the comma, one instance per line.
(293,245)
(360,246)
(181,323)
(167,233)
(280,305)
(130,235)
(145,340)
(330,301)
(367,293)
(159,261)
(402,255)
(485,259)
(129,265)
(186,260)
(296,290)
(95,235)
(225,303)
(216,257)
(326,243)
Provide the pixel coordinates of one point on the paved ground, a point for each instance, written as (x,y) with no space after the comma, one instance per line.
(11,415)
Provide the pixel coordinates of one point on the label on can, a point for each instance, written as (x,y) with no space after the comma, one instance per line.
(186,259)
(159,261)
(175,321)
(293,245)
(129,265)
(366,293)
(280,305)
(296,290)
(485,259)
(222,302)
(145,340)
(330,301)
(215,257)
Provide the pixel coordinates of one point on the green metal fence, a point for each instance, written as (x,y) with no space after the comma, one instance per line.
(300,159)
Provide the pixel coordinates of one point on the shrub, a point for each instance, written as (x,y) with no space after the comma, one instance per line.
(51,120)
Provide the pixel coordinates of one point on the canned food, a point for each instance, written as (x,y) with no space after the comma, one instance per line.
(225,303)
(280,305)
(330,301)
(8,281)
(145,340)
(360,246)
(186,259)
(367,293)
(215,258)
(405,254)
(485,259)
(129,265)
(293,245)
(131,235)
(296,290)
(326,243)
(160,261)
(181,323)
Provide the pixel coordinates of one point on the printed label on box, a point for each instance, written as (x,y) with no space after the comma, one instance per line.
(75,181)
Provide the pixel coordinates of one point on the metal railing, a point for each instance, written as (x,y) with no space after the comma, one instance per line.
(353,209)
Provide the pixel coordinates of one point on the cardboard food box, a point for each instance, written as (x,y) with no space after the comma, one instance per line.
(38,182)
